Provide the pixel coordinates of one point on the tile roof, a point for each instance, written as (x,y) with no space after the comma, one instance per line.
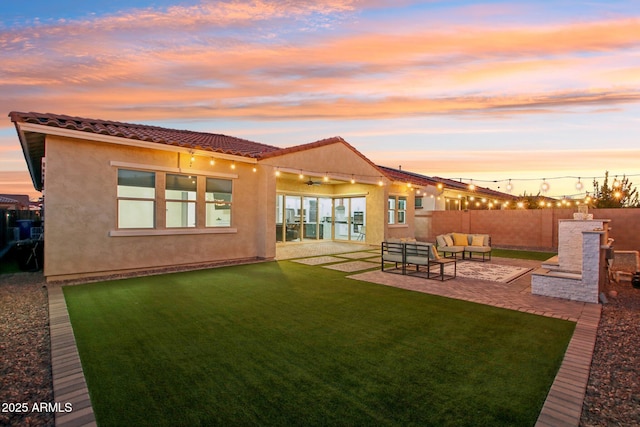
(182,138)
(404,176)
(417,179)
(303,147)
(7,200)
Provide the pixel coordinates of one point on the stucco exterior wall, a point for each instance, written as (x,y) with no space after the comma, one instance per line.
(333,159)
(81,213)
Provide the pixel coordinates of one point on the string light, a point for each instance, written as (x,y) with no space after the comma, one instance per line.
(545,186)
(616,183)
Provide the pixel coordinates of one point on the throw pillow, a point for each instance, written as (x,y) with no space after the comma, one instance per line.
(448,240)
(477,241)
(434,252)
(460,239)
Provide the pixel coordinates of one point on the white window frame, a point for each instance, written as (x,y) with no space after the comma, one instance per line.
(187,205)
(159,202)
(397,210)
(123,198)
(228,204)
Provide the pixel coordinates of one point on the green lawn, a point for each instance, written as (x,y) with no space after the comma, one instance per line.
(519,254)
(285,344)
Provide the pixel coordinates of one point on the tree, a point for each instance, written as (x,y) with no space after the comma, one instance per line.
(529,201)
(620,194)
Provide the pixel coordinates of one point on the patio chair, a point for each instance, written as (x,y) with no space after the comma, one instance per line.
(417,254)
(625,263)
(393,252)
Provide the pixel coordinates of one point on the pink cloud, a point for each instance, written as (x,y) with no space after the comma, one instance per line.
(174,63)
(17,183)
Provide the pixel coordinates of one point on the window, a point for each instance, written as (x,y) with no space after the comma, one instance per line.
(218,199)
(402,210)
(190,204)
(419,202)
(181,200)
(391,210)
(136,199)
(397,210)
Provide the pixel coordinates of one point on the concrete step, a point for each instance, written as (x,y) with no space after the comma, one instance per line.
(551,263)
(557,273)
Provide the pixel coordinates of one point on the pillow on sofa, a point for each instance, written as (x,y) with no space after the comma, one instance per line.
(448,240)
(460,239)
(477,240)
(434,252)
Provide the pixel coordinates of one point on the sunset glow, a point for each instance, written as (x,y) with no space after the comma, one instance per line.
(488,91)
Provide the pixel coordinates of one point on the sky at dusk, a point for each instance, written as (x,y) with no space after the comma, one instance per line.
(488,91)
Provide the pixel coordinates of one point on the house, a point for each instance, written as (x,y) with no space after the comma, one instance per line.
(16,202)
(125,198)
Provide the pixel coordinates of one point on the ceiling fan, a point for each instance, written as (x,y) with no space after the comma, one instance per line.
(312,182)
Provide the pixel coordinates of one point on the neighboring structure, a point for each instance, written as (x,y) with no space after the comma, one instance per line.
(439,194)
(123,198)
(16,202)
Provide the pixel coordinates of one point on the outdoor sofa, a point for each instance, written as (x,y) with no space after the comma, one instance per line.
(452,244)
(411,253)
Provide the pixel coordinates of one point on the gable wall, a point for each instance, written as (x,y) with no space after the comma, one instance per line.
(330,158)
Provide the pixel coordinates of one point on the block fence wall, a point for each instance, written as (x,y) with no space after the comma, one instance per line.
(531,229)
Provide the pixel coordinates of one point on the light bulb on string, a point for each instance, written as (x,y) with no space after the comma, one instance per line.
(579,185)
(616,183)
(509,187)
(545,186)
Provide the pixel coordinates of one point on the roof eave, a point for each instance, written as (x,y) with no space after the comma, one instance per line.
(77,134)
(34,164)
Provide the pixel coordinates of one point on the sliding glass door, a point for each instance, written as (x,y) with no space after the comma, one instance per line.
(310,218)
